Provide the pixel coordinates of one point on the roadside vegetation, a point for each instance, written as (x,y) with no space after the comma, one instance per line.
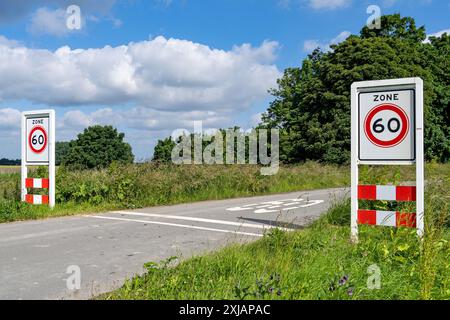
(128,186)
(318,262)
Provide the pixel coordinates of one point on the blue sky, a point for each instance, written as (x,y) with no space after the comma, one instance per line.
(149,67)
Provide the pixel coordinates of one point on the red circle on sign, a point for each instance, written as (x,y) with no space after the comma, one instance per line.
(44,145)
(404,121)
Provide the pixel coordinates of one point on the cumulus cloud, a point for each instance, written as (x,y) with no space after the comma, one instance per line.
(47,21)
(311,45)
(9,119)
(162,74)
(152,86)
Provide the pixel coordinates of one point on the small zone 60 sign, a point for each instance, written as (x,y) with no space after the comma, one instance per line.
(38,149)
(37,140)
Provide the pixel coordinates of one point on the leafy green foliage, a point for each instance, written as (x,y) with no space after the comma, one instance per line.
(62,149)
(395,26)
(98,147)
(312,103)
(233,144)
(163,150)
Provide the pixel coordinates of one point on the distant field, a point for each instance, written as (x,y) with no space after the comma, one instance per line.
(9,169)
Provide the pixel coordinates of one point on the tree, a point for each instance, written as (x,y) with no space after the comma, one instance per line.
(97,147)
(61,151)
(394,26)
(312,103)
(163,150)
(9,162)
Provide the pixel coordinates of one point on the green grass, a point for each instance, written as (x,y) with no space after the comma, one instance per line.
(315,263)
(136,186)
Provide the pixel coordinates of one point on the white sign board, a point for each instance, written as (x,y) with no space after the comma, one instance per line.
(387,129)
(37,140)
(38,149)
(387,126)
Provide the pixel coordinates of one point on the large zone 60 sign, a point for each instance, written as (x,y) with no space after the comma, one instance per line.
(386,126)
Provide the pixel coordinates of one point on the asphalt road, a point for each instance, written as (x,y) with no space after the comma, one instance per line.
(39,258)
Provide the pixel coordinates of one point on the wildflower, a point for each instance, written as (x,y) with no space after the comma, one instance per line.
(343,280)
(350,291)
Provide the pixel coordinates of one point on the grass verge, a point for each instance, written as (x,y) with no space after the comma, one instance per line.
(316,263)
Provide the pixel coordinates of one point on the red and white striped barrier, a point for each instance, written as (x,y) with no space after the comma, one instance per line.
(37,183)
(386,218)
(36,199)
(388,193)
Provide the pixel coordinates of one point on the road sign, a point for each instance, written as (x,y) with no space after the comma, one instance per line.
(386,126)
(38,149)
(37,132)
(387,129)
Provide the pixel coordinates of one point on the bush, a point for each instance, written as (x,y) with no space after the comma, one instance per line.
(97,147)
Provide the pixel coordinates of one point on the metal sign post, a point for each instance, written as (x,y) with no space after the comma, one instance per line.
(38,149)
(387,129)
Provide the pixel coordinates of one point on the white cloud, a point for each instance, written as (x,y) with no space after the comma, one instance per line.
(9,119)
(340,37)
(329,4)
(437,35)
(311,45)
(47,21)
(163,74)
(150,87)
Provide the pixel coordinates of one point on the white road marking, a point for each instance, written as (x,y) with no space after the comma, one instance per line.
(268,207)
(239,209)
(312,203)
(225,222)
(177,225)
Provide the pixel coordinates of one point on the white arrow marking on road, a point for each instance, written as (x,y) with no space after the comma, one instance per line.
(270,206)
